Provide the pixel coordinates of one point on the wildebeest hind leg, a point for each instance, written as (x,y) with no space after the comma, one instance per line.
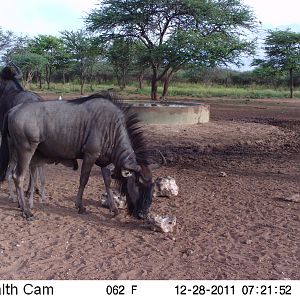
(23,161)
(41,174)
(87,164)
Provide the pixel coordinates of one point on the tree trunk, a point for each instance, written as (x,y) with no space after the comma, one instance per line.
(154,84)
(123,79)
(81,87)
(154,89)
(40,79)
(119,82)
(167,80)
(291,83)
(28,79)
(91,86)
(64,77)
(48,75)
(81,83)
(141,80)
(37,78)
(81,76)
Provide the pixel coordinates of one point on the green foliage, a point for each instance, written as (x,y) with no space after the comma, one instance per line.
(175,33)
(46,45)
(6,39)
(29,62)
(196,91)
(52,49)
(120,55)
(282,50)
(84,49)
(10,44)
(78,44)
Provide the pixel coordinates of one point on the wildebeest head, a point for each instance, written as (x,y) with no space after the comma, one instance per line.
(137,185)
(10,74)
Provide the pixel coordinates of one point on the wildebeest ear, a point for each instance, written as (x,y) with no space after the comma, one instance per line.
(126,173)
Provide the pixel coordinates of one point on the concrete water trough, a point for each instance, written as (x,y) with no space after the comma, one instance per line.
(171,112)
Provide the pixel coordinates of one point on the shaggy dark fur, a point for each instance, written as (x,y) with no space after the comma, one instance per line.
(135,133)
(8,74)
(133,123)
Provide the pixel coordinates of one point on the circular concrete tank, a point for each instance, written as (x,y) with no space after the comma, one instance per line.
(171,112)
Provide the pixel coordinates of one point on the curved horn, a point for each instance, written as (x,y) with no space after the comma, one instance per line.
(19,73)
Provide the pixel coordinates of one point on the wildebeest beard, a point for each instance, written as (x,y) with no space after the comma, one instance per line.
(138,195)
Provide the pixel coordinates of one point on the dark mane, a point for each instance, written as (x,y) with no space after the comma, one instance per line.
(135,132)
(102,95)
(138,143)
(133,123)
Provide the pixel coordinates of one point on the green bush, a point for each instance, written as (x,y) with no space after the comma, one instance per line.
(178,89)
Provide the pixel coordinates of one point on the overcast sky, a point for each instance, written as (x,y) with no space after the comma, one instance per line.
(276,13)
(34,17)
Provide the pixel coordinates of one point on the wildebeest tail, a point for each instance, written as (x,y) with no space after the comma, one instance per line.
(4,150)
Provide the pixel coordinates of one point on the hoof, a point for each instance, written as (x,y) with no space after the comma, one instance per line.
(43,200)
(30,204)
(14,200)
(30,219)
(81,210)
(114,212)
(28,216)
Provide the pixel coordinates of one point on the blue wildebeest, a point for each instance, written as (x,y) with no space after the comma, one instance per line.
(95,129)
(12,94)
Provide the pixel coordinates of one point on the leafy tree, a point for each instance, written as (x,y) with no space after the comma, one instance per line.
(140,62)
(120,55)
(51,48)
(7,39)
(282,49)
(29,63)
(62,60)
(103,71)
(10,43)
(83,49)
(174,33)
(265,74)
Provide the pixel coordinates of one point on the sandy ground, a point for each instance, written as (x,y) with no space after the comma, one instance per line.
(238,226)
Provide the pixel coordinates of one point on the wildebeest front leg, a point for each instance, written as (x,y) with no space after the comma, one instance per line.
(87,164)
(41,174)
(10,181)
(106,174)
(31,185)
